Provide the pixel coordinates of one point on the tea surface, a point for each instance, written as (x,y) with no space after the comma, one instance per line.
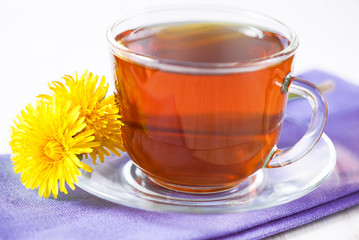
(193,129)
(204,42)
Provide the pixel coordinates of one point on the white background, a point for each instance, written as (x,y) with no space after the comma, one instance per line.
(40,41)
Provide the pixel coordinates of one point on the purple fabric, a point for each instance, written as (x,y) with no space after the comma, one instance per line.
(79,215)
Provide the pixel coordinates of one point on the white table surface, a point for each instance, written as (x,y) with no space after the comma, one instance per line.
(40,41)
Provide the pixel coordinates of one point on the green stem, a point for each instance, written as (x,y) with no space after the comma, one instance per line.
(323,87)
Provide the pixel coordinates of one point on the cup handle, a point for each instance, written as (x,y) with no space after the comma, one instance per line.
(298,86)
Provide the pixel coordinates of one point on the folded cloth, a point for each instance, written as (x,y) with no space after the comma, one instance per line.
(80,215)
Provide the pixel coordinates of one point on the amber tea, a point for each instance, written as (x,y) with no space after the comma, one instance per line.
(194,128)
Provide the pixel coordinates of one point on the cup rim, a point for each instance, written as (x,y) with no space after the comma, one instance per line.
(197,67)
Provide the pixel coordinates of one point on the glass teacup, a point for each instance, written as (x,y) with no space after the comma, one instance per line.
(202,92)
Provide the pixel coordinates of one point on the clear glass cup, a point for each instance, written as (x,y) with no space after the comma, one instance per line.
(207,127)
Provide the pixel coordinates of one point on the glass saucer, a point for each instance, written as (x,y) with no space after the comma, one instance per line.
(119,181)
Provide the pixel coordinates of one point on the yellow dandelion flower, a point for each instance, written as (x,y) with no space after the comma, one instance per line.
(46,141)
(100,112)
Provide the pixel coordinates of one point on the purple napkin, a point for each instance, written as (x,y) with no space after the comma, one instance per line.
(79,215)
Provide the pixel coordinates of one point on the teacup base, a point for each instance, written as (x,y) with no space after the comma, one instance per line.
(194,190)
(244,187)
